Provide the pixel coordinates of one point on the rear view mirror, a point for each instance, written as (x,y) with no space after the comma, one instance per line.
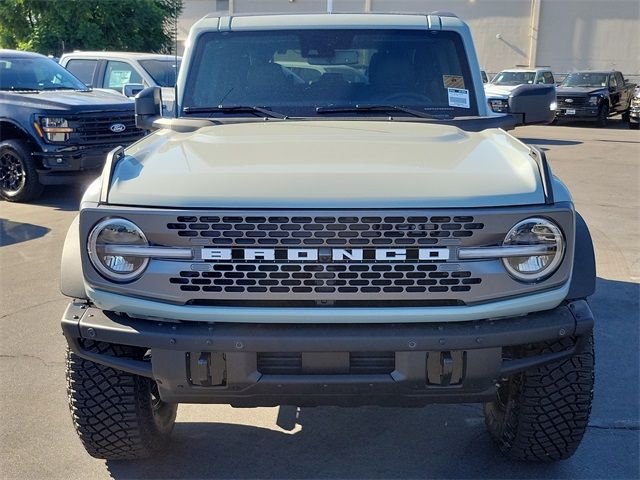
(533,104)
(132,89)
(148,107)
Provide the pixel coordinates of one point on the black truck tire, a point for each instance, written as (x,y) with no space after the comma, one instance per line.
(19,180)
(542,414)
(603,115)
(634,126)
(117,415)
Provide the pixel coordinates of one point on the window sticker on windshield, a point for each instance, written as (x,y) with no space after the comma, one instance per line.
(458,97)
(453,81)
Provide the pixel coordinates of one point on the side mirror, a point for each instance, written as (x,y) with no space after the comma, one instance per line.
(533,104)
(132,89)
(148,107)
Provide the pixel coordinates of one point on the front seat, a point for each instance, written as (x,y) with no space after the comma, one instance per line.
(391,74)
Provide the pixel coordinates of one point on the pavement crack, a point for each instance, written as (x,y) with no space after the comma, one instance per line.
(26,355)
(28,307)
(616,425)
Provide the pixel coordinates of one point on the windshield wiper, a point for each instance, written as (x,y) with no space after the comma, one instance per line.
(379,108)
(235,109)
(48,89)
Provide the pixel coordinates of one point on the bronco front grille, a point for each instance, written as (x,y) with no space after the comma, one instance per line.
(325,230)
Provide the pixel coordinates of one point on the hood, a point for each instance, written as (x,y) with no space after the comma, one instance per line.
(327,164)
(579,91)
(499,90)
(73,101)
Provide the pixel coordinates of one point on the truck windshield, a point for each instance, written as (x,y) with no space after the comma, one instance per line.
(585,80)
(301,73)
(36,74)
(514,78)
(163,72)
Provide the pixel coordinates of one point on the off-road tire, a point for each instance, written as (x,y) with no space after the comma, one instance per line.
(603,116)
(116,414)
(31,188)
(626,115)
(541,415)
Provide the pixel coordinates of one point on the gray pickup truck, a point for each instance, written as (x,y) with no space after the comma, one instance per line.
(368,235)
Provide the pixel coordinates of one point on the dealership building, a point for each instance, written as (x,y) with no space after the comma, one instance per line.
(565,35)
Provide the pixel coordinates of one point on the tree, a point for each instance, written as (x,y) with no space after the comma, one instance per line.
(52,27)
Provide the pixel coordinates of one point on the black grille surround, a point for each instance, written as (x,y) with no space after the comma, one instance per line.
(94,128)
(575,101)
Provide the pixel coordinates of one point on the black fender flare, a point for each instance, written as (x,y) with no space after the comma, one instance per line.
(583,274)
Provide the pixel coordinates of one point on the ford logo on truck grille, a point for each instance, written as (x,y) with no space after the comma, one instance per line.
(118,127)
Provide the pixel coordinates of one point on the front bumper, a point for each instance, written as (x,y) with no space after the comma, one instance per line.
(63,165)
(590,112)
(326,364)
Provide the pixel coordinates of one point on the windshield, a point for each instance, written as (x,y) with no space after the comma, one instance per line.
(296,72)
(585,80)
(35,73)
(513,78)
(163,72)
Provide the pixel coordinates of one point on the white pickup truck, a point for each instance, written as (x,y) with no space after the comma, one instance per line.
(334,218)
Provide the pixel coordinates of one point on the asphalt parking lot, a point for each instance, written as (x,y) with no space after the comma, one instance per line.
(602,169)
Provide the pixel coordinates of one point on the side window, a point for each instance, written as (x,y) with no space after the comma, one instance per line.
(619,79)
(612,81)
(119,74)
(540,78)
(83,69)
(548,78)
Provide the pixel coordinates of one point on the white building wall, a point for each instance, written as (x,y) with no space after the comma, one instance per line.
(571,34)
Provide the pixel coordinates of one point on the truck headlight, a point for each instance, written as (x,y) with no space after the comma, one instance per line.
(56,129)
(635,102)
(499,105)
(594,99)
(539,232)
(120,232)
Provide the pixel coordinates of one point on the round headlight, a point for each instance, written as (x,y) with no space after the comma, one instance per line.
(114,266)
(540,232)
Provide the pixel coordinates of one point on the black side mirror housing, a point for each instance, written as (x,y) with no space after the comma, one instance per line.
(533,104)
(148,107)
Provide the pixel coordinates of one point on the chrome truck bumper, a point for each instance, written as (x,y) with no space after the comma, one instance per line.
(250,365)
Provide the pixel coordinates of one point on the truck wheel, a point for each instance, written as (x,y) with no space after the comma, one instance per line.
(603,116)
(18,176)
(541,415)
(117,415)
(634,126)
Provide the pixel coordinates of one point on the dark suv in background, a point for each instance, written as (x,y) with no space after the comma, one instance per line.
(54,129)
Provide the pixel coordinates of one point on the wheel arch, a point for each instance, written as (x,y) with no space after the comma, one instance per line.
(10,130)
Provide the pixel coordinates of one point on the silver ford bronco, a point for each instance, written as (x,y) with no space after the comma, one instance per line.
(333,217)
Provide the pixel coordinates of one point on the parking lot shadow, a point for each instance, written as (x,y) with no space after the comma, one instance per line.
(438,441)
(548,141)
(63,197)
(16,232)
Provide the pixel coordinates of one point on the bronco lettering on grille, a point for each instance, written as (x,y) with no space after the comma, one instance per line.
(325,255)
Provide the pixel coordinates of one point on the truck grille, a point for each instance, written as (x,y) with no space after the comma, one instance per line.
(95,128)
(294,279)
(325,230)
(575,102)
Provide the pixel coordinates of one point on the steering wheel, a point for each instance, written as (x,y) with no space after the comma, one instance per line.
(408,96)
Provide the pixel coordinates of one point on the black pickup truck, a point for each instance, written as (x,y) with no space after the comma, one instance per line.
(54,129)
(594,95)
